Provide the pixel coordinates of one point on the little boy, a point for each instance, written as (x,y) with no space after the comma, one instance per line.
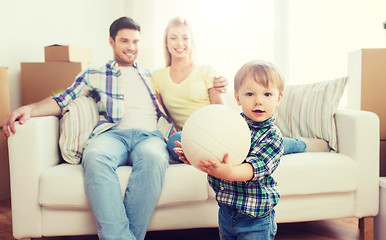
(247,193)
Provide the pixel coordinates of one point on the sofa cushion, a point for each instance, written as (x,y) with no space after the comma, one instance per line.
(316,172)
(62,186)
(76,125)
(302,173)
(308,110)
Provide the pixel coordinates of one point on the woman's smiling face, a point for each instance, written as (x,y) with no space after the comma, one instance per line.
(179,41)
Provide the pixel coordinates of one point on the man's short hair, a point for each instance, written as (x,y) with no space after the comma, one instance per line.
(122,23)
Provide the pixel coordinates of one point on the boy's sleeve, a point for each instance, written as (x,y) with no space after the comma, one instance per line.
(265,157)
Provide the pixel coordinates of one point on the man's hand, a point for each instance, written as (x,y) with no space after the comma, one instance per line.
(180,152)
(220,83)
(46,107)
(21,115)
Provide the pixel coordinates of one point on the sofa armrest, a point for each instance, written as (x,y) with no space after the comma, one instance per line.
(358,138)
(32,149)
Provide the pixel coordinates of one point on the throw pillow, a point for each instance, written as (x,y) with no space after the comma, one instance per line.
(76,125)
(308,110)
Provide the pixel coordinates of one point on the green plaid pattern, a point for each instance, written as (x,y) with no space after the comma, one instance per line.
(259,195)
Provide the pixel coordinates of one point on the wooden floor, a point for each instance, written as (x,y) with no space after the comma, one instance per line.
(342,229)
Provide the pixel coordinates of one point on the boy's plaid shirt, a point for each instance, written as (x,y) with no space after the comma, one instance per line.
(259,195)
(106,80)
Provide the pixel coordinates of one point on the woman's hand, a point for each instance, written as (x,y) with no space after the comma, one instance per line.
(220,83)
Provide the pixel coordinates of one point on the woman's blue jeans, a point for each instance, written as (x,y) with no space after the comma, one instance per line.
(145,151)
(293,145)
(290,145)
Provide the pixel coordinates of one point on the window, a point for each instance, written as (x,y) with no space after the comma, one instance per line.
(227,33)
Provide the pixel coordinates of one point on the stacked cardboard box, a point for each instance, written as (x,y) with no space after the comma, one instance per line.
(4,169)
(4,94)
(366,89)
(60,53)
(4,110)
(43,79)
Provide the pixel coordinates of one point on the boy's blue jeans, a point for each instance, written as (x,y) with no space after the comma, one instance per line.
(290,145)
(235,225)
(146,152)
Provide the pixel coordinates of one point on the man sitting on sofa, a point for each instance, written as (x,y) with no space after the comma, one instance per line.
(126,135)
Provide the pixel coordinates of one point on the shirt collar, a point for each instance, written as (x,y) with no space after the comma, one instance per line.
(112,64)
(258,125)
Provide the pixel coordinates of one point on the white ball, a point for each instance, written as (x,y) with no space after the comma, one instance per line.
(214,130)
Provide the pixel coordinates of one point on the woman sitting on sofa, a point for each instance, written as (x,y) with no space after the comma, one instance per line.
(185,86)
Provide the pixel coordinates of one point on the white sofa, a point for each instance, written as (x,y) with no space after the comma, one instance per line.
(48,198)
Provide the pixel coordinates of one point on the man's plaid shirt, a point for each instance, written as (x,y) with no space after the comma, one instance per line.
(259,195)
(107,81)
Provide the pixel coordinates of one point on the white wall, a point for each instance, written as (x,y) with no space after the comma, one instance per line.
(308,39)
(227,33)
(322,33)
(313,37)
(26,26)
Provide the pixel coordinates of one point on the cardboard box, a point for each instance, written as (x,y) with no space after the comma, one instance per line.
(5,192)
(64,53)
(382,159)
(4,94)
(380,219)
(367,83)
(4,110)
(41,80)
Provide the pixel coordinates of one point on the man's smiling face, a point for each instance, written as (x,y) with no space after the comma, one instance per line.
(125,46)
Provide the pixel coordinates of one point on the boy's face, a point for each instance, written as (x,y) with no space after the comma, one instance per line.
(125,46)
(258,102)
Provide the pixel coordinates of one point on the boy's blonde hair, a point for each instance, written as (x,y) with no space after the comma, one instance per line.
(263,72)
(175,22)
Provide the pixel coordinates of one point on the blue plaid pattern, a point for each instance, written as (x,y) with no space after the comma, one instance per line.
(258,196)
(106,80)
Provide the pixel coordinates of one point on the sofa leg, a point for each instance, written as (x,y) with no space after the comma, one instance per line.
(366,228)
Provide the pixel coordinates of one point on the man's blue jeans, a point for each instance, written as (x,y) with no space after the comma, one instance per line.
(147,154)
(235,225)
